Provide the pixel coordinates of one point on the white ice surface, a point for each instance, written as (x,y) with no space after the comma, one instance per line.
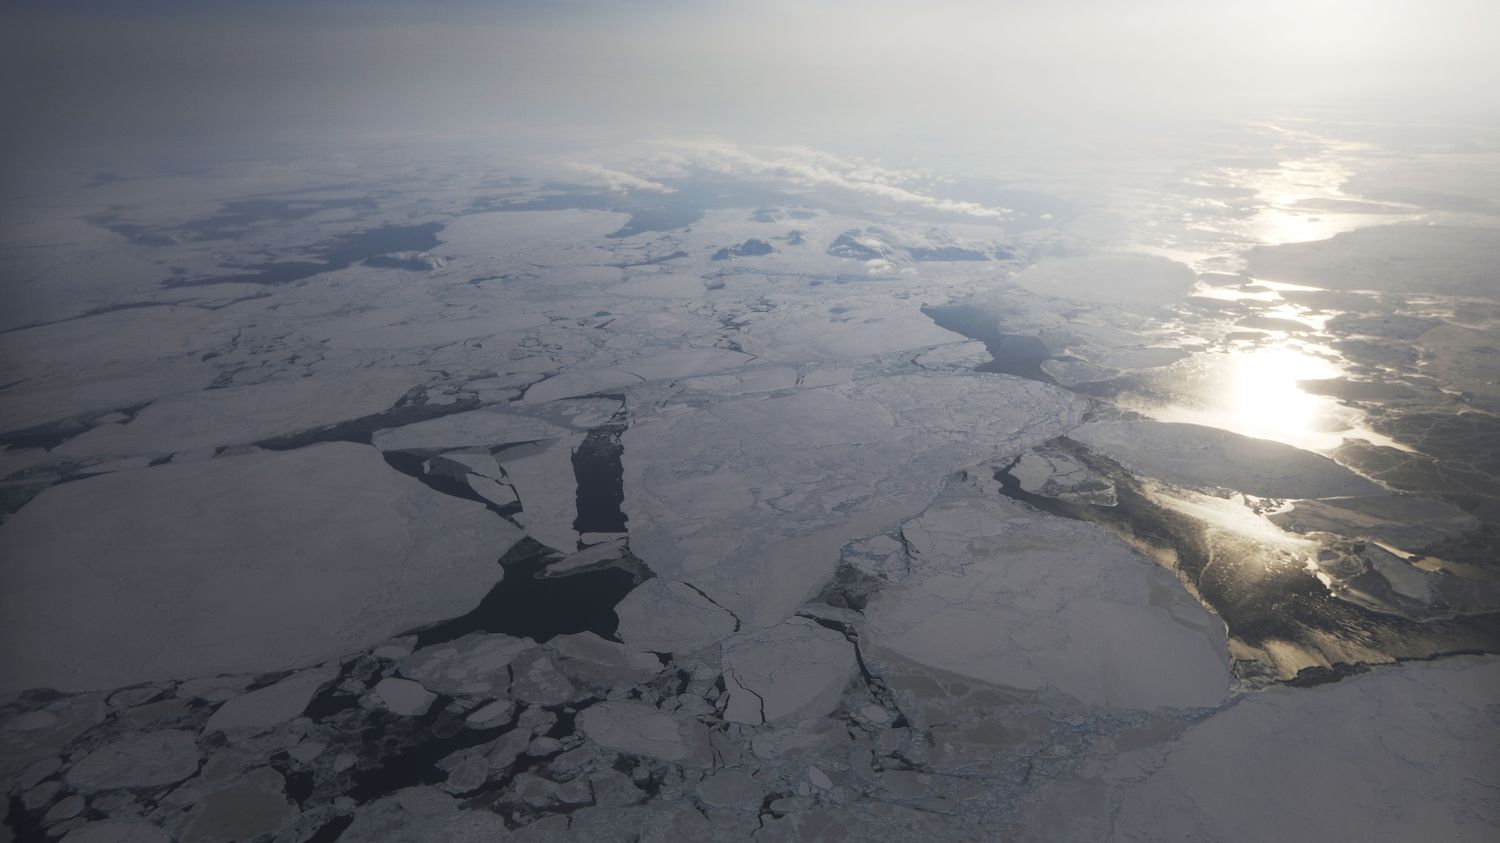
(1402,753)
(251,563)
(1005,595)
(749,499)
(241,415)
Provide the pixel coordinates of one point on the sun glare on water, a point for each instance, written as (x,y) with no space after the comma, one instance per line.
(1255,392)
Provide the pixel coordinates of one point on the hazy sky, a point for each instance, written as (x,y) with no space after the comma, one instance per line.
(104,77)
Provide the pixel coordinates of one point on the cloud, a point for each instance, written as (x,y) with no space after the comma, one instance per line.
(619,180)
(811,168)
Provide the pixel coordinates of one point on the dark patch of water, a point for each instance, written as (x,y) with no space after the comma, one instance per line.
(600,475)
(1021,355)
(528,605)
(332,255)
(412,408)
(330,831)
(410,748)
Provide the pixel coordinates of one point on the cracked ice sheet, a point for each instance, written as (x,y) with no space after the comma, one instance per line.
(676,363)
(258,562)
(794,667)
(1400,753)
(241,415)
(1003,594)
(749,499)
(864,324)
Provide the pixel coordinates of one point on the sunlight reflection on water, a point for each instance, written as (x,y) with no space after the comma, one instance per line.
(1255,392)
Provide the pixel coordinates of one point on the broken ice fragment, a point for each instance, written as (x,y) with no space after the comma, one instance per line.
(731,789)
(633,727)
(795,667)
(272,704)
(666,616)
(403,696)
(474,665)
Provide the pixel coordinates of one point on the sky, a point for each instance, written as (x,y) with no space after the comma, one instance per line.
(96,78)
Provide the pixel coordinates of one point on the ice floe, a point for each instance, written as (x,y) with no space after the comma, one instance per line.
(186,565)
(1018,599)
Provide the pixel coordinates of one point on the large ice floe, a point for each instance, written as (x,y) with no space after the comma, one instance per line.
(1392,755)
(249,563)
(1002,594)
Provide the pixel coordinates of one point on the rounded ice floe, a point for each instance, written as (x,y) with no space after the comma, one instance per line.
(1007,596)
(145,759)
(795,667)
(403,696)
(242,564)
(666,616)
(1208,457)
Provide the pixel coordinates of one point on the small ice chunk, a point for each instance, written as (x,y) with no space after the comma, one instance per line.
(403,696)
(474,665)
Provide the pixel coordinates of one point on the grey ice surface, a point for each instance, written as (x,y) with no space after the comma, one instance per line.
(260,561)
